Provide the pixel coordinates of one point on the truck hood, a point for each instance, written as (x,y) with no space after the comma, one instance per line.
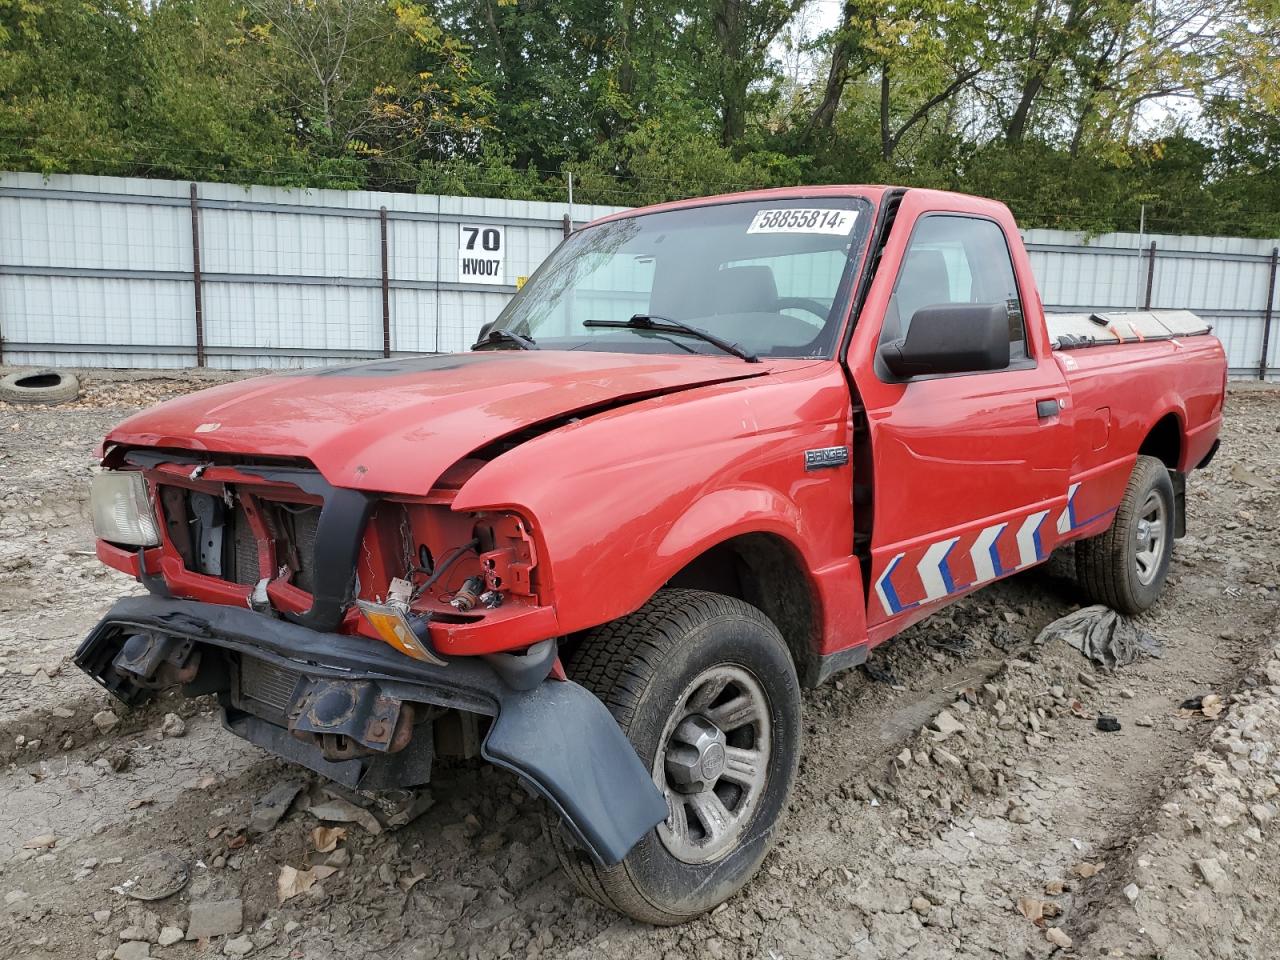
(395,426)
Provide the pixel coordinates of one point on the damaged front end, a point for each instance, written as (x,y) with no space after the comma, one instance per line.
(359,636)
(364,715)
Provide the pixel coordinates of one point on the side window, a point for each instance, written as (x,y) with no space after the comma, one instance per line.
(955,259)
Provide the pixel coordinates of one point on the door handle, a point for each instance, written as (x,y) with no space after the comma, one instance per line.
(1047,408)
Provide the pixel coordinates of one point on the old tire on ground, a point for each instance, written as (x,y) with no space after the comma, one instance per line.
(704,687)
(1125,567)
(39,386)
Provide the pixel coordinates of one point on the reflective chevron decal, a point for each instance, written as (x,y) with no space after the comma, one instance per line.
(986,556)
(1030,550)
(884,588)
(937,575)
(934,572)
(1067,518)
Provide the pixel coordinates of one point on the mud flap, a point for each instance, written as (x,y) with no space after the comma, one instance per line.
(565,743)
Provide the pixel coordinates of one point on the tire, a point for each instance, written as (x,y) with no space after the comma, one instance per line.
(650,668)
(1110,567)
(39,386)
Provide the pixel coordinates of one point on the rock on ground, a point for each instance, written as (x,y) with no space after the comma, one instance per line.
(214,918)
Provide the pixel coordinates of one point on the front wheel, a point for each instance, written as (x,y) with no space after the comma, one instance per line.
(1125,567)
(705,689)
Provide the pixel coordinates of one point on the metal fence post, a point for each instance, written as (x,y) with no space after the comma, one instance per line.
(1267,314)
(1151,275)
(435,347)
(195,276)
(386,286)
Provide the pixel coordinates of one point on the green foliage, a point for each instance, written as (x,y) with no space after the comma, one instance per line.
(1058,107)
(659,161)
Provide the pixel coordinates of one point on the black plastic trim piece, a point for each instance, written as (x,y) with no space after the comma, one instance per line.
(154,582)
(308,481)
(554,734)
(564,741)
(1179,481)
(821,669)
(524,671)
(148,459)
(885,216)
(465,682)
(1208,457)
(339,533)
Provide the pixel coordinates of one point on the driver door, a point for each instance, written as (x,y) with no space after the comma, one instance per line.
(970,469)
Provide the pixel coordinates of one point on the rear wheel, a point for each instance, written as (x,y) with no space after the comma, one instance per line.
(1126,566)
(704,687)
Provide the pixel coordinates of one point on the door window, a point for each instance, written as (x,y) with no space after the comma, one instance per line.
(956,259)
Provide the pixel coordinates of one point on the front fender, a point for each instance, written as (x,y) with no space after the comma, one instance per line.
(623,500)
(723,515)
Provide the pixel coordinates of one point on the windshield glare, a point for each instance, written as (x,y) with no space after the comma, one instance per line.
(766,275)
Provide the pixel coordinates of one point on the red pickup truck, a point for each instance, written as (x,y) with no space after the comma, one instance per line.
(712,452)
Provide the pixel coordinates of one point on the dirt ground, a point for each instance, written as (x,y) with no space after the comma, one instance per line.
(1026,832)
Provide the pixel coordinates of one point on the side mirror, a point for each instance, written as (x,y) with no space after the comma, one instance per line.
(951,338)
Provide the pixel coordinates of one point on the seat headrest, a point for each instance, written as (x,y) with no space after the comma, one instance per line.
(925,282)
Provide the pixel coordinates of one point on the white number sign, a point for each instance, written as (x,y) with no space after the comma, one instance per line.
(481,250)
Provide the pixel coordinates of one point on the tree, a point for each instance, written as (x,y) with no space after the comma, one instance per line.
(742,32)
(1068,109)
(365,77)
(64,76)
(922,55)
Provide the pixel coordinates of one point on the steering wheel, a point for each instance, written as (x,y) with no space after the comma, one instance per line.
(806,304)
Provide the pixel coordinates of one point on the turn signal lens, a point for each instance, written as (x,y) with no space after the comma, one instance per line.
(392,625)
(122,510)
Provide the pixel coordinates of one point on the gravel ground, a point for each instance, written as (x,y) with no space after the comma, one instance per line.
(1025,832)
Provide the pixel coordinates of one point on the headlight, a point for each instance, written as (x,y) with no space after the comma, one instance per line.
(122,510)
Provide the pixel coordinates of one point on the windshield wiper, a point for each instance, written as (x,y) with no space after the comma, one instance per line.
(648,321)
(505,336)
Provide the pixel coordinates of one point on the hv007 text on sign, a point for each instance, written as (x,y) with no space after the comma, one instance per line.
(481,250)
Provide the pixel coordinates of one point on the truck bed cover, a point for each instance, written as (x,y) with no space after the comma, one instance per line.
(1072,331)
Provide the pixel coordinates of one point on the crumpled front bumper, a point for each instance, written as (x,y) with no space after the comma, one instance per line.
(556,735)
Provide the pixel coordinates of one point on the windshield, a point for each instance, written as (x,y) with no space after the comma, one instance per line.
(771,276)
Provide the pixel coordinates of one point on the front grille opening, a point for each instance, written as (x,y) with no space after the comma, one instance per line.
(216,539)
(295,526)
(244,549)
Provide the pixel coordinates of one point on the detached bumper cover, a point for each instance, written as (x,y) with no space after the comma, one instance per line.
(556,735)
